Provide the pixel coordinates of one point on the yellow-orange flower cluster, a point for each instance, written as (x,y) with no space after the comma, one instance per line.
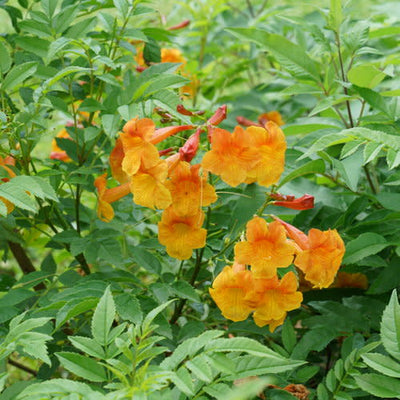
(238,291)
(172,184)
(256,154)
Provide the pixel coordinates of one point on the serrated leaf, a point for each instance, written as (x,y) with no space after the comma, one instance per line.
(87,345)
(393,158)
(383,364)
(183,380)
(103,318)
(185,291)
(390,327)
(128,307)
(73,308)
(200,368)
(5,59)
(365,245)
(371,150)
(60,387)
(153,314)
(379,385)
(365,75)
(312,167)
(294,58)
(82,366)
(18,74)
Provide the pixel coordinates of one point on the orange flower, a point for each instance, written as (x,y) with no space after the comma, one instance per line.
(172,56)
(322,257)
(305,202)
(231,155)
(229,290)
(148,186)
(273,116)
(275,298)
(189,190)
(116,157)
(180,235)
(346,280)
(56,152)
(320,253)
(137,147)
(271,145)
(266,248)
(106,196)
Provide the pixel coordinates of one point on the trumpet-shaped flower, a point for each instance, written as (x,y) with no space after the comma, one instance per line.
(319,255)
(231,156)
(229,290)
(266,248)
(275,298)
(105,212)
(189,190)
(148,186)
(116,157)
(180,235)
(56,152)
(137,147)
(271,145)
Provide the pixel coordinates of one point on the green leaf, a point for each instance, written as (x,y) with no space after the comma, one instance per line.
(329,103)
(185,291)
(63,73)
(366,75)
(335,15)
(18,196)
(289,54)
(18,74)
(371,151)
(183,380)
(128,307)
(393,158)
(5,59)
(146,260)
(111,123)
(391,201)
(73,308)
(390,327)
(379,385)
(250,366)
(59,388)
(288,336)
(200,368)
(82,366)
(365,245)
(103,318)
(242,344)
(36,185)
(312,167)
(88,346)
(153,314)
(382,364)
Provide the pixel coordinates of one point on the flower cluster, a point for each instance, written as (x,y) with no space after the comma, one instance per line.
(172,184)
(239,291)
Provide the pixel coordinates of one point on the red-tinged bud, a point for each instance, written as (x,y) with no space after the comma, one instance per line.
(201,112)
(305,202)
(183,24)
(297,235)
(163,133)
(189,149)
(284,197)
(218,116)
(246,122)
(140,68)
(165,151)
(182,110)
